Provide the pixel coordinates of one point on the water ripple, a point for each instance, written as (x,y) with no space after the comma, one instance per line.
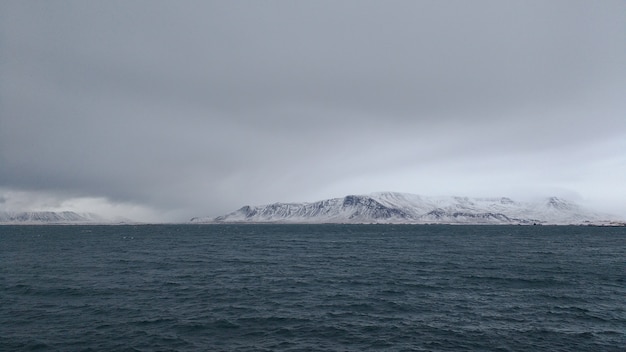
(312,288)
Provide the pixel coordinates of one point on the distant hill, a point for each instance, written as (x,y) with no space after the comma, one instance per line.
(401,208)
(49,217)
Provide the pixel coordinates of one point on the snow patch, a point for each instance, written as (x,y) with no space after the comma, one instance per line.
(393,207)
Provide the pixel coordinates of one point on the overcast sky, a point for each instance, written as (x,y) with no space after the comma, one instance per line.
(164,110)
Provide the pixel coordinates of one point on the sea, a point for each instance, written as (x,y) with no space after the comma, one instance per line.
(274,287)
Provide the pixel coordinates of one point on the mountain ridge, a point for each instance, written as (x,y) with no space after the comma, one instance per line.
(49,217)
(401,208)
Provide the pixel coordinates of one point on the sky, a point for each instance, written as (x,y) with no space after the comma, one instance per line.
(166,110)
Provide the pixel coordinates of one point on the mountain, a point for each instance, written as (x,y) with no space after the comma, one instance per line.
(49,217)
(390,207)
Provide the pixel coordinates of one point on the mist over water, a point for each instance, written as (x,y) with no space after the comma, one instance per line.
(312,287)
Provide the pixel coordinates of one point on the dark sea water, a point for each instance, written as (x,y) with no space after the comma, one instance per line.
(312,288)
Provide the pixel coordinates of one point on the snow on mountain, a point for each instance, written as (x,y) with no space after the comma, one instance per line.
(49,217)
(390,207)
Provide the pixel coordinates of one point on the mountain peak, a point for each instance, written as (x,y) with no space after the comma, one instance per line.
(394,207)
(560,204)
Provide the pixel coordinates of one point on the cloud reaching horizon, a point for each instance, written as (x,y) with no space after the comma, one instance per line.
(197,108)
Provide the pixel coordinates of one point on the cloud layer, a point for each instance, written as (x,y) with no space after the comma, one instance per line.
(196,108)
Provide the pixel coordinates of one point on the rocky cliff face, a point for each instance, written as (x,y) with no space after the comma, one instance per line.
(389,207)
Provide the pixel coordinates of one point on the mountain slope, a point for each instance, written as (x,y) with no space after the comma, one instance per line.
(389,207)
(49,217)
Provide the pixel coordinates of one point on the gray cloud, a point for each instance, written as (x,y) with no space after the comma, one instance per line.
(199,107)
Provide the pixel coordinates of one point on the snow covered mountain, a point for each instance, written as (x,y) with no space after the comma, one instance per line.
(49,217)
(389,207)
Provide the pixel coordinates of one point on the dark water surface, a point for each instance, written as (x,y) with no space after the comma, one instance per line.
(312,288)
